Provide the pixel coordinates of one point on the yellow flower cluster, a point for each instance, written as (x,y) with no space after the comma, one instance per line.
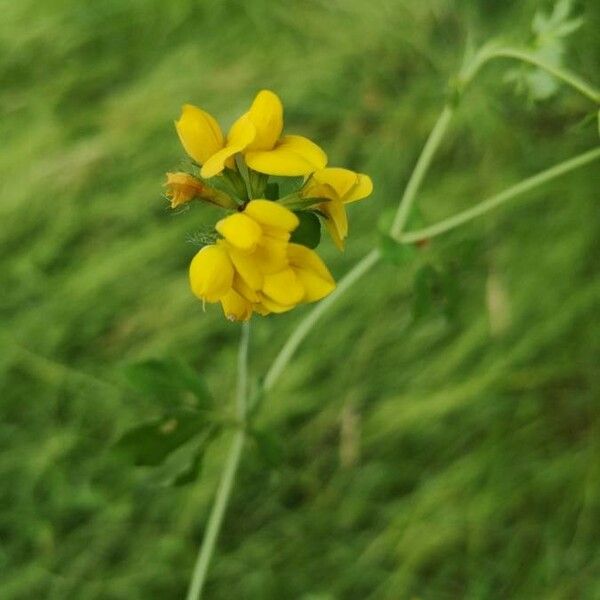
(255,268)
(256,265)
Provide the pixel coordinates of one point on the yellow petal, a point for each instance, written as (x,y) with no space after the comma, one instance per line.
(335,234)
(240,231)
(247,267)
(199,133)
(267,305)
(243,289)
(341,180)
(362,189)
(235,307)
(311,271)
(293,155)
(240,135)
(211,273)
(283,287)
(272,215)
(302,257)
(271,255)
(266,114)
(336,222)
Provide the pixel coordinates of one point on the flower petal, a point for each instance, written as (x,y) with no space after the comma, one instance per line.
(240,231)
(341,180)
(211,273)
(283,287)
(272,215)
(311,271)
(336,222)
(199,133)
(266,114)
(292,156)
(362,189)
(247,267)
(240,135)
(236,307)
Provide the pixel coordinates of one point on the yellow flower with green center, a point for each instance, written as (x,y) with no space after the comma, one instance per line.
(255,268)
(340,187)
(257,135)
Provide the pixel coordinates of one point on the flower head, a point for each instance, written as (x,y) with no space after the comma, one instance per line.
(254,267)
(257,135)
(339,187)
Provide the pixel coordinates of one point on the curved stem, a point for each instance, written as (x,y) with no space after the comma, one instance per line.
(226,484)
(498,199)
(287,351)
(563,74)
(421,168)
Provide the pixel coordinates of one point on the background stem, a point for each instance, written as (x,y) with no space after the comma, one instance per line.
(494,201)
(226,484)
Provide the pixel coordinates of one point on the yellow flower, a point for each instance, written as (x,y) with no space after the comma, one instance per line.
(254,267)
(211,273)
(340,187)
(183,187)
(257,134)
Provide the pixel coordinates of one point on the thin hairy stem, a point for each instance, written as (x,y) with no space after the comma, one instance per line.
(498,199)
(226,484)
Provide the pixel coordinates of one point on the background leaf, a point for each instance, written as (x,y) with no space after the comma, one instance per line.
(308,232)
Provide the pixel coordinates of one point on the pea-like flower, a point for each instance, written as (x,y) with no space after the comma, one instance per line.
(257,135)
(255,268)
(339,187)
(183,187)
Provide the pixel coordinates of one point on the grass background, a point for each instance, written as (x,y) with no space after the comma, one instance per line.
(434,458)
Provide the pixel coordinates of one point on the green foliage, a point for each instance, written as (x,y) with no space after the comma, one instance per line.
(150,443)
(421,458)
(549,44)
(308,232)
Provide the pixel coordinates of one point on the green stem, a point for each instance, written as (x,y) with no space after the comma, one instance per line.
(226,484)
(420,170)
(498,199)
(291,345)
(563,74)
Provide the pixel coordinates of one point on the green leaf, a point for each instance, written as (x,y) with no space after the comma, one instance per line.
(308,232)
(396,253)
(272,191)
(170,381)
(150,443)
(189,468)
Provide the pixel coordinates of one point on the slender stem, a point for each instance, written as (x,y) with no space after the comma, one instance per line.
(305,326)
(420,170)
(226,484)
(563,74)
(498,199)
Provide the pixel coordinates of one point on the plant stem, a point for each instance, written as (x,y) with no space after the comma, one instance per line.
(287,351)
(226,484)
(420,170)
(563,74)
(498,199)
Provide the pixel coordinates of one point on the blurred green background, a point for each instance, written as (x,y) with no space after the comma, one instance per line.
(447,456)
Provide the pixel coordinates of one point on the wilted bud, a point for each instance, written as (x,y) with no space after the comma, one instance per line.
(183,187)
